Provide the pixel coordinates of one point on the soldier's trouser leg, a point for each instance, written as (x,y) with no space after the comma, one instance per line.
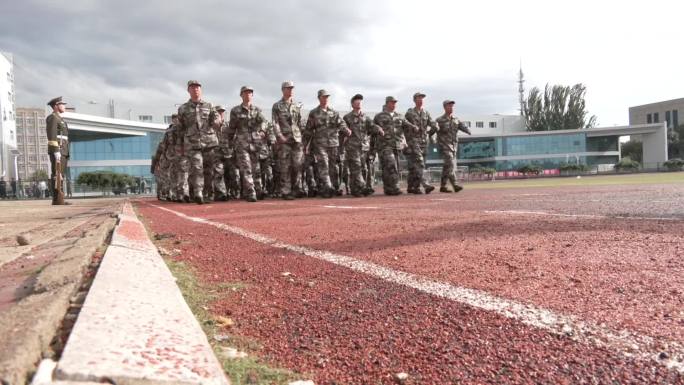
(324,167)
(213,160)
(233,172)
(355,165)
(423,179)
(447,168)
(310,175)
(370,170)
(290,163)
(181,182)
(244,158)
(266,176)
(390,173)
(334,167)
(196,178)
(169,181)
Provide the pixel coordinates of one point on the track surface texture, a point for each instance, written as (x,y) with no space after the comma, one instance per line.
(547,285)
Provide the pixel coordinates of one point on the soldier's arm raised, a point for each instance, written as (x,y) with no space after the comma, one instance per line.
(464,128)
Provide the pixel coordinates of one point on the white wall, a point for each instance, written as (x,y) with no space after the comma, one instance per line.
(8,127)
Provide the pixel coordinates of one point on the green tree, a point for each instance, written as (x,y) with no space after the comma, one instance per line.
(39,175)
(633,150)
(558,108)
(102,180)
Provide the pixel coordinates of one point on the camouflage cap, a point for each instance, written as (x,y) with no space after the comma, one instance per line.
(194,83)
(447,102)
(418,95)
(246,88)
(287,84)
(323,93)
(357,97)
(55,101)
(390,99)
(219,107)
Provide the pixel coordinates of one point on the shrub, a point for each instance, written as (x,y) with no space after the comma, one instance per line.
(627,164)
(675,164)
(530,169)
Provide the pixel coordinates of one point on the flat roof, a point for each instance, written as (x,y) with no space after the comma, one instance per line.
(680,100)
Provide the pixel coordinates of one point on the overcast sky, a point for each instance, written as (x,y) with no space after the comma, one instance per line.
(141,53)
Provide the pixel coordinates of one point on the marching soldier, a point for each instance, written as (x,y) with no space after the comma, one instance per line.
(357,146)
(58,147)
(323,128)
(416,149)
(391,143)
(179,167)
(447,140)
(248,126)
(199,122)
(287,119)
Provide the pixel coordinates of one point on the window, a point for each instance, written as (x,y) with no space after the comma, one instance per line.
(479,124)
(167,119)
(656,118)
(667,118)
(467,124)
(145,118)
(492,124)
(648,118)
(675,118)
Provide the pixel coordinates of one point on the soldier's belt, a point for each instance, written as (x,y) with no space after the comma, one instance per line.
(53,143)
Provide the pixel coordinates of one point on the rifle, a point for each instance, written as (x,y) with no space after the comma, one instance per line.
(59,193)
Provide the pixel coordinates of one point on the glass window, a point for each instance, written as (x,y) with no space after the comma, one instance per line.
(648,118)
(602,144)
(667,118)
(543,144)
(477,149)
(675,118)
(656,118)
(479,124)
(492,124)
(145,118)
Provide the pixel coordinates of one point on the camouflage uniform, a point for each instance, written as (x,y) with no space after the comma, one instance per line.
(171,159)
(231,170)
(198,122)
(389,146)
(416,149)
(265,163)
(323,128)
(156,169)
(447,140)
(356,148)
(287,119)
(249,127)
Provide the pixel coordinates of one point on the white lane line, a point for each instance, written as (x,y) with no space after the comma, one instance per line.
(630,344)
(544,213)
(350,207)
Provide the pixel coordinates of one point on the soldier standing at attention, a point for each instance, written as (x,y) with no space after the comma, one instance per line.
(358,145)
(447,140)
(287,119)
(248,126)
(389,145)
(58,143)
(198,121)
(416,149)
(323,129)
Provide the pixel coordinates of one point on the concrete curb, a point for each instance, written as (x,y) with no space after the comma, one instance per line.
(135,325)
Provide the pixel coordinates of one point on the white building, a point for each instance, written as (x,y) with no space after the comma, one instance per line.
(8,131)
(493,124)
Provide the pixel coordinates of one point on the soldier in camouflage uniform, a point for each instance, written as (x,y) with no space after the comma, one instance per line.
(249,127)
(324,126)
(391,143)
(265,162)
(155,169)
(287,119)
(447,140)
(358,145)
(170,161)
(231,170)
(198,123)
(179,167)
(416,149)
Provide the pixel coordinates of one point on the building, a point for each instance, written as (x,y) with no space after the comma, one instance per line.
(666,111)
(31,142)
(8,135)
(507,151)
(99,143)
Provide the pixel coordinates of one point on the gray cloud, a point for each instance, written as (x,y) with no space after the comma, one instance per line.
(141,53)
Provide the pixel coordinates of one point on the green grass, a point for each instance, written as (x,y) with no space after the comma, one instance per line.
(242,371)
(599,180)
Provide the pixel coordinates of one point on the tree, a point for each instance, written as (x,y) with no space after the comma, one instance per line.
(559,108)
(102,180)
(675,142)
(633,150)
(39,175)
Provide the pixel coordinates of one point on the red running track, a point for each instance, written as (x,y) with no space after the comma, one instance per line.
(346,327)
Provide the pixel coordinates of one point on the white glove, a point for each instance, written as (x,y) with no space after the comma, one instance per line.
(58,156)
